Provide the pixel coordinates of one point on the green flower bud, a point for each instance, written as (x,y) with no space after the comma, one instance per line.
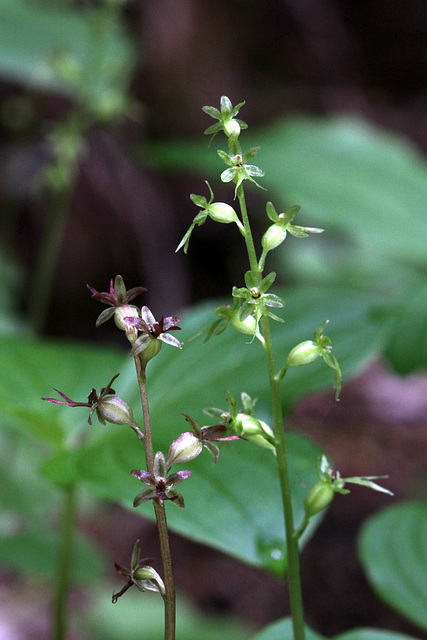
(248,325)
(304,353)
(115,410)
(150,351)
(222,212)
(273,237)
(255,430)
(147,578)
(126,311)
(231,128)
(187,446)
(318,498)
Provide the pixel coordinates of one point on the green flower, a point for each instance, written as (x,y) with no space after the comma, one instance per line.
(309,350)
(140,574)
(243,422)
(256,300)
(277,232)
(227,120)
(239,170)
(217,211)
(330,483)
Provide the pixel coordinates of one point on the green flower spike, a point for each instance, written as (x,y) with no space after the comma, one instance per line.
(277,232)
(218,211)
(227,119)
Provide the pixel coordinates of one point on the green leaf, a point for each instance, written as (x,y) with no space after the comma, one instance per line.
(29,370)
(407,346)
(36,552)
(222,504)
(26,499)
(139,615)
(282,630)
(393,550)
(37,40)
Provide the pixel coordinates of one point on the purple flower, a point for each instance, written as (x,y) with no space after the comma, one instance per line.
(152,330)
(106,404)
(160,487)
(140,574)
(116,299)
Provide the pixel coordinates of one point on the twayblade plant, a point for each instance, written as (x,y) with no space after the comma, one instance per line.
(250,313)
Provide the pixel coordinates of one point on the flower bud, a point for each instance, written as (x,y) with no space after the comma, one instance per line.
(187,446)
(115,410)
(304,353)
(318,498)
(273,237)
(147,578)
(125,311)
(248,325)
(221,212)
(231,128)
(253,429)
(150,351)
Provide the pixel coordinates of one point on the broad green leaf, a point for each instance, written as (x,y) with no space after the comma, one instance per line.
(36,552)
(373,634)
(407,347)
(282,630)
(393,549)
(139,615)
(29,370)
(222,503)
(38,41)
(26,498)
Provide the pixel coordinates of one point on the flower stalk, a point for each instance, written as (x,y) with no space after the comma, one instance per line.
(169,596)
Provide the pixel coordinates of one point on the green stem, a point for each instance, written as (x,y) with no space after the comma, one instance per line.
(248,232)
(64,563)
(159,509)
(292,545)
